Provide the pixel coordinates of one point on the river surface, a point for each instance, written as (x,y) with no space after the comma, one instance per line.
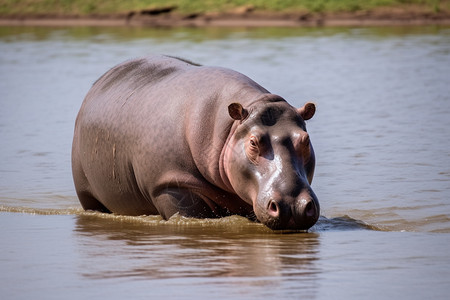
(382,141)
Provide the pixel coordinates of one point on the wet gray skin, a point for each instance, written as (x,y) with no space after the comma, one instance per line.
(160,135)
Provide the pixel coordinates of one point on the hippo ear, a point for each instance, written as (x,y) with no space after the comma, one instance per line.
(237,112)
(307,111)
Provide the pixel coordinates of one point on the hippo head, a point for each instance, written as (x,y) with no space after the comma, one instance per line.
(269,162)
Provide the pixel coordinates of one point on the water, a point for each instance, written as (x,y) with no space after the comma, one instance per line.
(382,177)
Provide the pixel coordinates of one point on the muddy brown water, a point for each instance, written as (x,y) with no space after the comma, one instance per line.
(382,141)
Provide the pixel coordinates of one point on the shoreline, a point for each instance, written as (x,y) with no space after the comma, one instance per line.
(246,19)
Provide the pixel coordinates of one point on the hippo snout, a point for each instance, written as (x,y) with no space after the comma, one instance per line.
(298,213)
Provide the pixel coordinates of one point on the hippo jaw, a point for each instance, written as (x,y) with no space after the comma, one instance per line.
(270,164)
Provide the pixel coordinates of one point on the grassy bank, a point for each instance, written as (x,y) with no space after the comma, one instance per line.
(186,7)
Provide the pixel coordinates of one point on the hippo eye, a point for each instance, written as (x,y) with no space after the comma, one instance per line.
(253,142)
(253,149)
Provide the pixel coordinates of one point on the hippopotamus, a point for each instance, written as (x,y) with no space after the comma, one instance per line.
(162,135)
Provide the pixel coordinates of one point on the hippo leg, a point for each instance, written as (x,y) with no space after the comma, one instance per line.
(87,200)
(183,201)
(90,203)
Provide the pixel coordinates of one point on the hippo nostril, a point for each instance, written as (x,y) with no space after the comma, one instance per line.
(273,208)
(310,210)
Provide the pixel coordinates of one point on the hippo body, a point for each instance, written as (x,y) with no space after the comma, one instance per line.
(160,135)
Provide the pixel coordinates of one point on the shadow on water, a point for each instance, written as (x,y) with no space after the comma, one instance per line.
(340,224)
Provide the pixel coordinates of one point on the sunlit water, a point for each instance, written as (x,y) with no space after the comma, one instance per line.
(381,136)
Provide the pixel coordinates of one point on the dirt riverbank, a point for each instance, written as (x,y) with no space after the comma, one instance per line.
(245,17)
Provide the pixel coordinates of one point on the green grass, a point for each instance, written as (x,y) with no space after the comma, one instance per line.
(106,7)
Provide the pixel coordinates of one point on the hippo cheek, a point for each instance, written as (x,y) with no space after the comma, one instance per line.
(288,213)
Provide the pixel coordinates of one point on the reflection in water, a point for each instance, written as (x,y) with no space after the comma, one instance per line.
(236,248)
(196,250)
